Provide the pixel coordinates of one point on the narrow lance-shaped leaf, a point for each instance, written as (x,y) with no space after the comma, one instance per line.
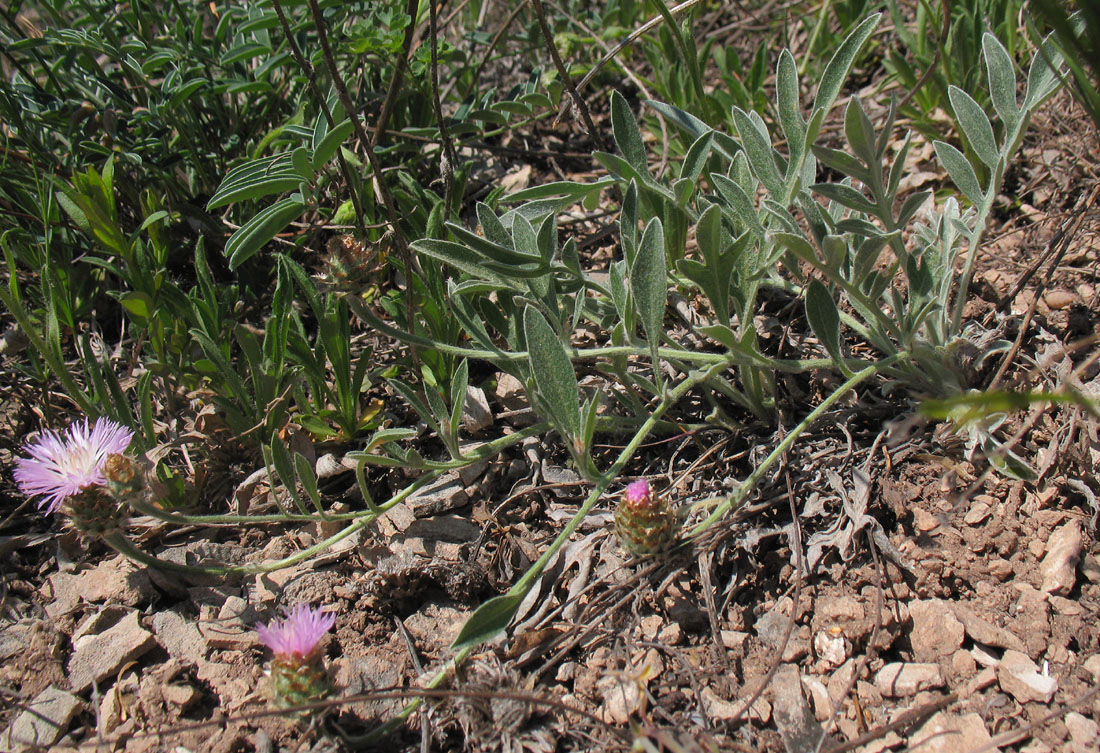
(960,171)
(837,69)
(1002,80)
(255,233)
(975,124)
(649,284)
(821,311)
(627,136)
(555,379)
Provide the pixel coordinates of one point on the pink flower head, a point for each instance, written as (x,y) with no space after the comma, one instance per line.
(298,634)
(61,466)
(637,492)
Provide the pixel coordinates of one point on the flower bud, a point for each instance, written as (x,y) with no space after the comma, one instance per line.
(644,523)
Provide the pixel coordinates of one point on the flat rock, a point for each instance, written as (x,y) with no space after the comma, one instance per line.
(476,414)
(1084,732)
(793,716)
(985,632)
(1020,677)
(947,733)
(723,710)
(99,656)
(621,698)
(454,528)
(1059,566)
(906,679)
(936,631)
(115,581)
(444,494)
(42,723)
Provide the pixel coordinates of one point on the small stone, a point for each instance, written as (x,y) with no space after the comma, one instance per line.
(1019,676)
(1083,731)
(442,495)
(510,392)
(1092,666)
(1059,299)
(621,698)
(396,519)
(733,638)
(1065,606)
(182,696)
(793,716)
(179,637)
(723,710)
(924,520)
(947,733)
(650,625)
(453,528)
(115,581)
(99,656)
(1001,569)
(832,647)
(963,664)
(840,681)
(976,514)
(819,694)
(1059,567)
(906,679)
(476,414)
(936,630)
(42,723)
(984,632)
(1090,568)
(672,634)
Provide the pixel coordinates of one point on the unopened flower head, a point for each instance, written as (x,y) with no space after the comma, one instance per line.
(637,492)
(298,634)
(61,466)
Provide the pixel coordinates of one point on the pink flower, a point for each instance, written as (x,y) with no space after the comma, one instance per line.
(637,492)
(298,634)
(60,467)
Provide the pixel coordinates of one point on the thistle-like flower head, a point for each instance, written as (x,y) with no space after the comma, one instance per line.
(638,493)
(61,466)
(298,634)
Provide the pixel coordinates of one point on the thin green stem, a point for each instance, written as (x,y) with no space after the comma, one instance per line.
(758,473)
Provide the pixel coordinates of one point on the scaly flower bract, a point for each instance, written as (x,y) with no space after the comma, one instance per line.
(61,466)
(298,634)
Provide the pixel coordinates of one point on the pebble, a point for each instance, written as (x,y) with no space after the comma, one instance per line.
(1001,569)
(476,414)
(906,679)
(832,647)
(97,657)
(947,733)
(442,495)
(1059,566)
(963,663)
(924,520)
(1019,676)
(985,632)
(179,637)
(1060,299)
(936,630)
(976,514)
(793,716)
(44,721)
(1083,731)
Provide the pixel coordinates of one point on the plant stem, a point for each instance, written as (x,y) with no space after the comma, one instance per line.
(758,473)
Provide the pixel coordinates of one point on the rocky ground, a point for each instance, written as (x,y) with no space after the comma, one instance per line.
(915,601)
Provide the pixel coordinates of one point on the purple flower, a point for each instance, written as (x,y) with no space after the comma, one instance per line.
(61,466)
(637,492)
(298,634)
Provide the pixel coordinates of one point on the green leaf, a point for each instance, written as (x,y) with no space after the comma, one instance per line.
(566,189)
(755,141)
(1002,80)
(846,196)
(555,379)
(255,233)
(788,99)
(627,136)
(837,70)
(975,124)
(332,140)
(821,311)
(139,304)
(255,179)
(628,222)
(1042,76)
(860,132)
(960,171)
(302,165)
(649,284)
(488,620)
